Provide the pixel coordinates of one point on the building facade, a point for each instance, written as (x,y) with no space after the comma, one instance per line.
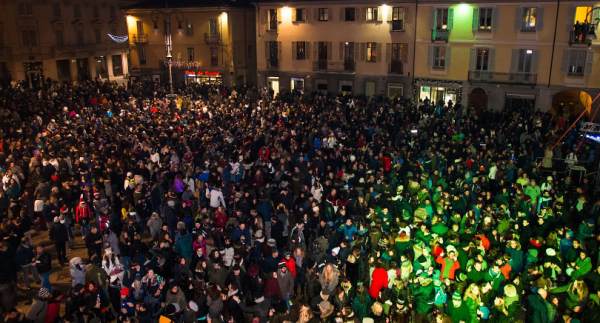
(211,41)
(65,40)
(337,46)
(481,53)
(506,54)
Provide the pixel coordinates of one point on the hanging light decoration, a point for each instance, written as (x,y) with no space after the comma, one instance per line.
(118,39)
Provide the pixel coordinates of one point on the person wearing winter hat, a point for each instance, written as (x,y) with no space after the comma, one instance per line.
(37,310)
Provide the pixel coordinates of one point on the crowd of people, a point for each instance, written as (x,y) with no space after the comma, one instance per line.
(229,205)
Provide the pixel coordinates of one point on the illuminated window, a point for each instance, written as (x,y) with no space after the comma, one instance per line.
(439,57)
(441,19)
(349,14)
(300,15)
(582,14)
(398,19)
(482,59)
(576,62)
(372,14)
(323,14)
(485,19)
(371,52)
(529,19)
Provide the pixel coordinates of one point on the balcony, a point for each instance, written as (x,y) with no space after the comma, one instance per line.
(346,66)
(212,38)
(507,78)
(440,35)
(396,67)
(140,38)
(582,34)
(349,65)
(272,63)
(397,25)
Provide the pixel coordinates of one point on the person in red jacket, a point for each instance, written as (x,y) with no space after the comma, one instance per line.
(449,264)
(83,215)
(220,218)
(379,280)
(290,263)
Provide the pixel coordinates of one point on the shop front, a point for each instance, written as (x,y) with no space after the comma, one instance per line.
(438,91)
(203,77)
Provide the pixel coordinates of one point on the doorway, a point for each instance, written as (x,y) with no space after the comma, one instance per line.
(34,73)
(273,85)
(478,99)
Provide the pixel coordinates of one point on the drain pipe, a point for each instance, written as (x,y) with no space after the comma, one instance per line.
(553,42)
(414,44)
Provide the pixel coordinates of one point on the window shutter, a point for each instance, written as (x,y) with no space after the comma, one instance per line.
(264,18)
(514,62)
(539,18)
(571,18)
(519,19)
(316,50)
(378,50)
(356,47)
(434,17)
(589,61)
(278,11)
(473,59)
(475,24)
(388,52)
(279,50)
(430,55)
(403,15)
(495,18)
(306,15)
(316,13)
(342,14)
(363,52)
(450,18)
(307,49)
(341,53)
(380,15)
(294,50)
(534,62)
(360,14)
(267,50)
(491,59)
(294,16)
(390,12)
(448,56)
(595,15)
(329,51)
(564,67)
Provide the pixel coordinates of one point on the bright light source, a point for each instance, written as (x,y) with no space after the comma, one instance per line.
(223,17)
(385,9)
(347,43)
(414,131)
(286,14)
(529,52)
(131,22)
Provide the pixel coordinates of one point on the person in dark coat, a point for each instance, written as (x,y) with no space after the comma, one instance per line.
(60,235)
(43,264)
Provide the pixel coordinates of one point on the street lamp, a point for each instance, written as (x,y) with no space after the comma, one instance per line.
(166,15)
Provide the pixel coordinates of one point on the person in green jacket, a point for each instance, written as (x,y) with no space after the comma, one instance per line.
(423,296)
(583,265)
(458,310)
(577,294)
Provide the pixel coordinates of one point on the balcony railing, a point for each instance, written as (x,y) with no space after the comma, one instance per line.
(212,38)
(272,63)
(349,65)
(397,25)
(140,38)
(440,35)
(582,34)
(396,67)
(346,66)
(497,77)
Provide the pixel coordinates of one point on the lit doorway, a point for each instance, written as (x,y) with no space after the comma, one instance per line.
(273,85)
